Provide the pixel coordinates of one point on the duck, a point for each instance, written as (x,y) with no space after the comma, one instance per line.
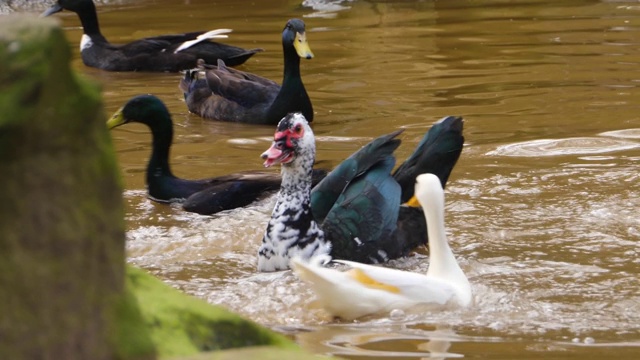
(355,212)
(375,289)
(203,196)
(165,53)
(221,93)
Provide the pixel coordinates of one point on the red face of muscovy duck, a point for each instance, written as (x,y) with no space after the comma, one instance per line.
(289,136)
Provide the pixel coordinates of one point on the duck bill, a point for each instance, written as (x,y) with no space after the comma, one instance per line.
(52,10)
(302,47)
(116,120)
(276,156)
(413,202)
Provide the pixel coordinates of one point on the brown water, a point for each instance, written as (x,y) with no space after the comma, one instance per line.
(542,208)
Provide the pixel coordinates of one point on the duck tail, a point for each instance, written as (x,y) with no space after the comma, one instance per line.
(437,153)
(185,82)
(192,79)
(322,279)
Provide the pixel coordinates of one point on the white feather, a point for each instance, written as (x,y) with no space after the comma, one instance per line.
(367,289)
(341,295)
(85,42)
(213,34)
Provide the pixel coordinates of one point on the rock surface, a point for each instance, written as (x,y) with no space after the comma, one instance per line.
(61,214)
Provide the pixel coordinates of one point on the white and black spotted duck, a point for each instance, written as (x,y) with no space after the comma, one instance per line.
(232,95)
(355,212)
(170,53)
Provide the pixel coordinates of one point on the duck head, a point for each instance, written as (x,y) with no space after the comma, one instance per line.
(294,33)
(145,109)
(292,139)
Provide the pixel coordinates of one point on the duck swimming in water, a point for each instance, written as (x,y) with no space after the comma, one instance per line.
(169,53)
(232,95)
(355,212)
(375,289)
(203,196)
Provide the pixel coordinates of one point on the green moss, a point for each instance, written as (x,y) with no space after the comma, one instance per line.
(181,325)
(130,335)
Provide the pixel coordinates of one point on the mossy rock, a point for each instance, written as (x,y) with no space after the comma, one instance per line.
(61,214)
(180,324)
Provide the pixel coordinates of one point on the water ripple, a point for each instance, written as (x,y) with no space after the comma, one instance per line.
(569,146)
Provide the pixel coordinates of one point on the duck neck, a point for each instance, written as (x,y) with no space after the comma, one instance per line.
(158,166)
(296,184)
(292,87)
(291,65)
(441,259)
(292,231)
(292,95)
(89,19)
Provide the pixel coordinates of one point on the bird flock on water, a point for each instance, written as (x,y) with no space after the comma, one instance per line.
(334,228)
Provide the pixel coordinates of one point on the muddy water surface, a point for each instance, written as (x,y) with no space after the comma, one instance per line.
(542,208)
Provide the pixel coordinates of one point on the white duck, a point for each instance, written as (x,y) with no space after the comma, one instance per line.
(367,289)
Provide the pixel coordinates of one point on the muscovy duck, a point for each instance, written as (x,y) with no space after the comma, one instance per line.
(169,53)
(375,289)
(354,213)
(233,95)
(205,196)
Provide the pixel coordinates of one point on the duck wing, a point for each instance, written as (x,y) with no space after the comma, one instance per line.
(364,216)
(326,193)
(161,43)
(231,191)
(419,287)
(245,89)
(437,153)
(240,75)
(178,46)
(365,289)
(148,54)
(211,52)
(342,295)
(236,190)
(144,46)
(228,94)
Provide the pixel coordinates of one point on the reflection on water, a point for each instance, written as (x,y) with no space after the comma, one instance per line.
(348,341)
(551,244)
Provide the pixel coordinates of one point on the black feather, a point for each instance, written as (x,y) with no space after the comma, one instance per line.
(437,153)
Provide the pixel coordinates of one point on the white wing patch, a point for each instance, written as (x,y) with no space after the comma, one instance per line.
(85,42)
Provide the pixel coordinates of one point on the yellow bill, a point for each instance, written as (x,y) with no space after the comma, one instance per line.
(301,46)
(413,202)
(116,119)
